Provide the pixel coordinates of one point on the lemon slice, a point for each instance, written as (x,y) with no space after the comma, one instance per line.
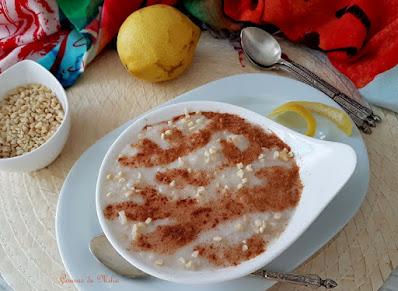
(304,109)
(300,110)
(337,116)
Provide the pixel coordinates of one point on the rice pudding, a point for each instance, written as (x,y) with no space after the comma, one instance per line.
(203,190)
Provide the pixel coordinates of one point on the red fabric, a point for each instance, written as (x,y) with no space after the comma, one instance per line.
(360,37)
(114,17)
(30,25)
(168,2)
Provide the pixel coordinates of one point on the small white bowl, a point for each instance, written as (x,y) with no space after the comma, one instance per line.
(324,168)
(28,72)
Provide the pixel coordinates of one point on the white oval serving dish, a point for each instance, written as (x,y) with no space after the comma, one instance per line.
(324,168)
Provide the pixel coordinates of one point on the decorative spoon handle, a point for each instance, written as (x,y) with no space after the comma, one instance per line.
(304,280)
(361,121)
(339,96)
(315,81)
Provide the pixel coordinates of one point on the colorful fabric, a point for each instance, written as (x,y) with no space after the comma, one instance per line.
(360,37)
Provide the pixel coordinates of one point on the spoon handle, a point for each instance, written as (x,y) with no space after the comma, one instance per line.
(339,96)
(361,120)
(325,87)
(304,280)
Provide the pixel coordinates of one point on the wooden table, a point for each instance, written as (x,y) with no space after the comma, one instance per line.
(360,257)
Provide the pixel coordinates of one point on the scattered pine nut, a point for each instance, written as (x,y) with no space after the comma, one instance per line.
(217,238)
(188,264)
(122,217)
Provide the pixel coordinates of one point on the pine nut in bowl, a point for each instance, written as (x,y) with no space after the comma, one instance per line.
(34,117)
(204,192)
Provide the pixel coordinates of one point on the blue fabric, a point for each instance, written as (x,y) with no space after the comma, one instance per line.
(383,90)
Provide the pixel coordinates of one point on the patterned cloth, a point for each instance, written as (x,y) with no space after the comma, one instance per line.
(360,37)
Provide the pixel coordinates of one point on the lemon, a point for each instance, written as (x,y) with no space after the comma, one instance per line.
(157,43)
(304,109)
(337,116)
(301,111)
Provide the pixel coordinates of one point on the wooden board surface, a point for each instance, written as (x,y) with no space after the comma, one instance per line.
(360,257)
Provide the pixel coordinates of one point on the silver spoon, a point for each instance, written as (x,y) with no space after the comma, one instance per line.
(264,51)
(103,251)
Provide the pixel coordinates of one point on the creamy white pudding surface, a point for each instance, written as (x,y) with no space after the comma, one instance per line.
(203,190)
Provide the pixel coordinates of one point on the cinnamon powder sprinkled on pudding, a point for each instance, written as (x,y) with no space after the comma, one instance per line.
(218,182)
(183,177)
(232,255)
(150,154)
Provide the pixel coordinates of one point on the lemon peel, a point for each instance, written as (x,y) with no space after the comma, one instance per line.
(305,109)
(337,116)
(301,111)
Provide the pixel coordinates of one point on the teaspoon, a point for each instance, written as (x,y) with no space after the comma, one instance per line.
(103,251)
